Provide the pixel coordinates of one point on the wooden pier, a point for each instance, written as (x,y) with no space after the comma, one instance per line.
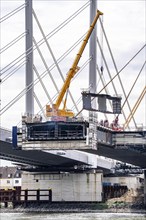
(25,197)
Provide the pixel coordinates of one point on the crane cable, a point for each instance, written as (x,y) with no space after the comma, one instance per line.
(119,78)
(101,69)
(101,58)
(117,73)
(101,36)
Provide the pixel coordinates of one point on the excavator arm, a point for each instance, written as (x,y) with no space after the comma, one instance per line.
(54,110)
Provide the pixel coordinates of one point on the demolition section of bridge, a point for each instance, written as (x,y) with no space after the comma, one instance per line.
(76,134)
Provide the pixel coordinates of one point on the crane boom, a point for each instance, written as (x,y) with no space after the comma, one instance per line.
(55,111)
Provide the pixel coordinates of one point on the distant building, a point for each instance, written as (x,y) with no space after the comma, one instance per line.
(10,177)
(6,134)
(131,181)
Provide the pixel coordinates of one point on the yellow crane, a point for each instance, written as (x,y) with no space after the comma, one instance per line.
(55,110)
(135,108)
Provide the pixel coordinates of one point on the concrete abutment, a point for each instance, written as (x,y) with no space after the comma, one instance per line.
(80,187)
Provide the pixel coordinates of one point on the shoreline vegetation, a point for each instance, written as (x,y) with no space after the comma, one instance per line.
(77,207)
(130,202)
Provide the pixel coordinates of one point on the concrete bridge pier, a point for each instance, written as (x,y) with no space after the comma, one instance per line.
(145,188)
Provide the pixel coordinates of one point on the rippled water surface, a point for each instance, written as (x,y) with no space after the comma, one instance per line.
(72,216)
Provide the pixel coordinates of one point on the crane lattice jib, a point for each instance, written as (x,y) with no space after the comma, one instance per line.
(73,70)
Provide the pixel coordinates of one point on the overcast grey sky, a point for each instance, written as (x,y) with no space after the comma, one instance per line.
(125,26)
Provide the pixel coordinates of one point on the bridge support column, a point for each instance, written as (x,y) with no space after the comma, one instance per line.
(93,51)
(69,187)
(29,57)
(145,188)
(93,75)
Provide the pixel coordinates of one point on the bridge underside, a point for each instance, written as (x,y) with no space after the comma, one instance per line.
(55,162)
(40,159)
(124,155)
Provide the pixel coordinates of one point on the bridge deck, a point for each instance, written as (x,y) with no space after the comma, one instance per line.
(124,155)
(128,147)
(35,157)
(40,158)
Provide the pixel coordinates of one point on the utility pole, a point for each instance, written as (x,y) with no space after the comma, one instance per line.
(29,58)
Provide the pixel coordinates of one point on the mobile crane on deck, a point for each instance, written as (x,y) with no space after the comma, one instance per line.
(59,128)
(55,110)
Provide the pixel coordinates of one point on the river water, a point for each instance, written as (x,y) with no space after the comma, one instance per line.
(72,216)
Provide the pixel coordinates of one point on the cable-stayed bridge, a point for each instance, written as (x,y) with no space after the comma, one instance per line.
(53,67)
(38,44)
(48,68)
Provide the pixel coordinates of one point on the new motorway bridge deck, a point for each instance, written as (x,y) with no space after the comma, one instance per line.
(35,157)
(43,159)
